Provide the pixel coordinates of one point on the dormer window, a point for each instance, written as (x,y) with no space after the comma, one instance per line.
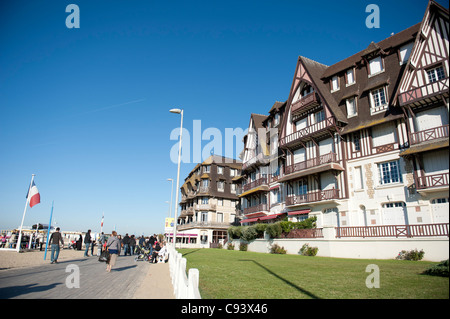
(334,83)
(378,100)
(375,66)
(351,107)
(405,52)
(350,76)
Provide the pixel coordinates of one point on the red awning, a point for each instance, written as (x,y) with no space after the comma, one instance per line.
(248,220)
(299,212)
(271,216)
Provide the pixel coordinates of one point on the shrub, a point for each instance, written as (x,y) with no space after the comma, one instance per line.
(308,251)
(230,246)
(411,255)
(260,229)
(275,249)
(243,247)
(440,269)
(249,233)
(274,230)
(235,232)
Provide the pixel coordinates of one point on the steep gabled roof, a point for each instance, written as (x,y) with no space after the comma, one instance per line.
(315,71)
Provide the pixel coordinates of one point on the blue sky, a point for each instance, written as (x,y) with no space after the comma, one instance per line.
(87,110)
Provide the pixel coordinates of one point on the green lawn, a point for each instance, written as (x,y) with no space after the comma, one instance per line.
(228,274)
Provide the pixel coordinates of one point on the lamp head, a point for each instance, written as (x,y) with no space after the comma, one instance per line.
(177,111)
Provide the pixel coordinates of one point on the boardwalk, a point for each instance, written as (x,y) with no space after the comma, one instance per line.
(128,280)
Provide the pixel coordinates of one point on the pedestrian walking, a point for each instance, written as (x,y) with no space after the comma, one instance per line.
(87,242)
(126,244)
(55,239)
(132,244)
(101,242)
(113,246)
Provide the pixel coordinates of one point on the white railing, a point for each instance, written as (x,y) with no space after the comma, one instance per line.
(185,287)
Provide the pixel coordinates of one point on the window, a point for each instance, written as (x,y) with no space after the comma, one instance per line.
(277,119)
(351,107)
(389,173)
(275,196)
(233,188)
(334,83)
(405,52)
(220,217)
(378,100)
(206,169)
(375,66)
(358,176)
(350,77)
(436,74)
(205,200)
(204,216)
(220,186)
(439,201)
(356,143)
(220,202)
(394,205)
(220,170)
(232,172)
(205,182)
(319,117)
(302,187)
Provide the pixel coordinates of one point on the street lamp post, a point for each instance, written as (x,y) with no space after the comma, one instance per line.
(177,111)
(171,198)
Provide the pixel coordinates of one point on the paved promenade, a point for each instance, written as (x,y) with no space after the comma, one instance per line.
(128,280)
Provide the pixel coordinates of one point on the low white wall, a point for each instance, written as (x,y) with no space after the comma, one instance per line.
(436,248)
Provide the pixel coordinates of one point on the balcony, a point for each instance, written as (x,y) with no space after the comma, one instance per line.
(428,135)
(432,182)
(198,224)
(313,131)
(428,93)
(205,207)
(312,197)
(312,166)
(305,103)
(256,208)
(203,190)
(257,160)
(261,184)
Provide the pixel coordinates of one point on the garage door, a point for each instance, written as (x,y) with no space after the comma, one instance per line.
(439,210)
(394,213)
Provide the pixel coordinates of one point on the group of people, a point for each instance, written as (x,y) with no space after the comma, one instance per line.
(114,244)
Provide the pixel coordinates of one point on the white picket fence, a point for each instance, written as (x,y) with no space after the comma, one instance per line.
(185,287)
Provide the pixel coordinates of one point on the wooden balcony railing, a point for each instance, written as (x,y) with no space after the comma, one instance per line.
(205,206)
(256,208)
(313,162)
(304,233)
(308,131)
(312,197)
(436,180)
(422,230)
(424,91)
(305,102)
(429,135)
(260,181)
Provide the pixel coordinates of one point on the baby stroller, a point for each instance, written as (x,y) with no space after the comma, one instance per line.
(144,255)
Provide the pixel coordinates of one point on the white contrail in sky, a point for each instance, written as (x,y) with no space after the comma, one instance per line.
(112,106)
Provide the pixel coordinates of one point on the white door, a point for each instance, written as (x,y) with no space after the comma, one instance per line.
(394,214)
(439,210)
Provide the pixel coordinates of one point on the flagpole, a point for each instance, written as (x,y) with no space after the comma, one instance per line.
(48,231)
(23,217)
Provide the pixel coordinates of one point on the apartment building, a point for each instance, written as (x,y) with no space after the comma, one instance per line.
(363,142)
(209,204)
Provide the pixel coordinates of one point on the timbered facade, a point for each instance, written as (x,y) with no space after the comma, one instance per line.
(423,96)
(363,142)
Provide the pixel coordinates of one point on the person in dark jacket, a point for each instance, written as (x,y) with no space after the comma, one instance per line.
(87,242)
(126,244)
(55,239)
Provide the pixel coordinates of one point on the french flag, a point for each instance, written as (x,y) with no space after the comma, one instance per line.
(33,196)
